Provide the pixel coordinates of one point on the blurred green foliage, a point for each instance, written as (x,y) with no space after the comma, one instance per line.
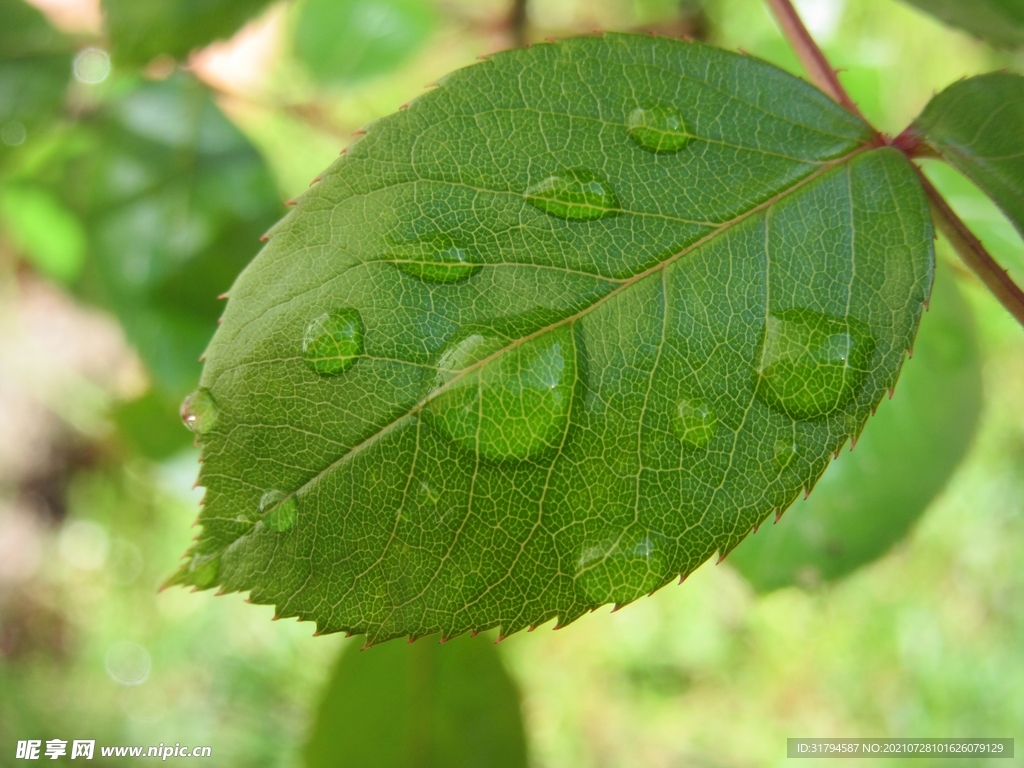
(141,31)
(35,66)
(174,199)
(344,40)
(999,21)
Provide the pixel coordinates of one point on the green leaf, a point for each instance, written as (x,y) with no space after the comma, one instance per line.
(343,40)
(174,199)
(425,705)
(44,231)
(141,31)
(35,66)
(594,410)
(975,125)
(869,498)
(997,21)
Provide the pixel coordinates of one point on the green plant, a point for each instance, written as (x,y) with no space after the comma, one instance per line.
(570,324)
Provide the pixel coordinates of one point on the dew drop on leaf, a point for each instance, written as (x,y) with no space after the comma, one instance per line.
(436,260)
(658,128)
(695,423)
(783,453)
(576,193)
(333,341)
(513,406)
(199,411)
(812,364)
(619,569)
(278,510)
(204,570)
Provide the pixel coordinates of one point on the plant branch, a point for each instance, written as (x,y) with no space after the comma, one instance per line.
(517,23)
(810,55)
(973,253)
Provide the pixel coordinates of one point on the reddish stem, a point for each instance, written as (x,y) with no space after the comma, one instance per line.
(973,252)
(810,55)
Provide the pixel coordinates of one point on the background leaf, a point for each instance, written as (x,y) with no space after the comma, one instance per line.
(425,705)
(140,31)
(174,199)
(618,304)
(49,235)
(35,66)
(975,126)
(997,21)
(868,498)
(341,40)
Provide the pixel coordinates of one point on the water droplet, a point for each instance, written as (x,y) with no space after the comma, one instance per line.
(812,364)
(658,128)
(278,510)
(199,411)
(203,570)
(695,423)
(783,452)
(514,406)
(619,569)
(436,259)
(576,193)
(333,342)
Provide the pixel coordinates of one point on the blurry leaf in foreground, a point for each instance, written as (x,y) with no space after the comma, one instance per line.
(175,199)
(341,40)
(140,30)
(868,498)
(45,232)
(424,705)
(975,124)
(997,21)
(35,67)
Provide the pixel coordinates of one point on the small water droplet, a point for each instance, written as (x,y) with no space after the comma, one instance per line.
(576,193)
(514,406)
(619,569)
(199,411)
(812,364)
(695,423)
(658,128)
(333,342)
(436,259)
(203,570)
(783,452)
(278,510)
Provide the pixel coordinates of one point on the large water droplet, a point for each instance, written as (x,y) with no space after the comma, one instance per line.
(695,423)
(619,569)
(435,259)
(514,406)
(658,128)
(812,364)
(784,451)
(203,570)
(576,193)
(333,342)
(278,510)
(199,411)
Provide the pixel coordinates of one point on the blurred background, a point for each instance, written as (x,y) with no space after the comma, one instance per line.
(146,146)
